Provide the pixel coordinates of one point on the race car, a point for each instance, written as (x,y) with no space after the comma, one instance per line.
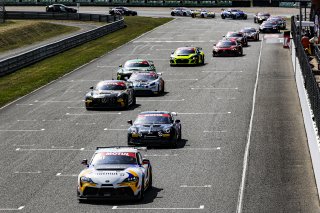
(181,11)
(279,20)
(233,13)
(239,37)
(110,94)
(269,27)
(147,83)
(187,56)
(130,66)
(115,173)
(227,48)
(260,17)
(123,10)
(155,128)
(251,33)
(60,8)
(203,13)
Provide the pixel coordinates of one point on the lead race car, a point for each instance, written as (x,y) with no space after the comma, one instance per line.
(115,173)
(130,66)
(155,128)
(187,56)
(147,83)
(110,94)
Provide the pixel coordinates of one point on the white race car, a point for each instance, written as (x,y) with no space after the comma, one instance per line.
(203,13)
(181,11)
(115,173)
(147,83)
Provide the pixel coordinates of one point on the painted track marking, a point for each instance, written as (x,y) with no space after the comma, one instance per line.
(122,208)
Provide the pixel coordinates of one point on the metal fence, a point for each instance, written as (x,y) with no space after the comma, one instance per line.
(310,83)
(12,64)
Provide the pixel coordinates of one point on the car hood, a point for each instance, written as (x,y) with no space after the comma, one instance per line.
(183,55)
(104,93)
(130,70)
(111,174)
(150,127)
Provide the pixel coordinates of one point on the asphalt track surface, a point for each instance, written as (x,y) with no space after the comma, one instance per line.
(244,147)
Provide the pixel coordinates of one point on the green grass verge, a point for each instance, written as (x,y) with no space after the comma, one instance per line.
(15,34)
(28,79)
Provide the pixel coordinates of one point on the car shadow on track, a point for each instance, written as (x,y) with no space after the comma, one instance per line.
(149,197)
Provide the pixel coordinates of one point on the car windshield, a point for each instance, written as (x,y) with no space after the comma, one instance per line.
(132,64)
(268,24)
(263,14)
(102,158)
(185,51)
(234,34)
(111,86)
(248,30)
(143,77)
(153,119)
(226,44)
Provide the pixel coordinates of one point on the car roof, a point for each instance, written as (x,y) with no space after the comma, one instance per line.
(117,149)
(154,112)
(138,60)
(144,73)
(111,81)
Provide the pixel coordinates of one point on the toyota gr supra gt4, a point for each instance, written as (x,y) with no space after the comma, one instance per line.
(269,27)
(147,83)
(187,56)
(115,173)
(239,37)
(60,8)
(181,11)
(123,11)
(155,128)
(110,94)
(233,13)
(251,33)
(280,21)
(227,48)
(130,66)
(203,13)
(260,17)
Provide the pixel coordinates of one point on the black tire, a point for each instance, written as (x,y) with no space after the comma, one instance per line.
(162,90)
(174,143)
(126,104)
(223,17)
(172,13)
(255,20)
(150,180)
(234,17)
(241,52)
(134,101)
(140,196)
(180,136)
(202,62)
(202,16)
(184,14)
(245,17)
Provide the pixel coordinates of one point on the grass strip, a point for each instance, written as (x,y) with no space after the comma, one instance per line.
(16,34)
(30,78)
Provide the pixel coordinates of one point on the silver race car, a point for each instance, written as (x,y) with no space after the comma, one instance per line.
(115,173)
(147,83)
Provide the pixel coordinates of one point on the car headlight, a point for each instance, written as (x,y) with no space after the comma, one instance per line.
(86,179)
(194,58)
(133,130)
(167,130)
(131,179)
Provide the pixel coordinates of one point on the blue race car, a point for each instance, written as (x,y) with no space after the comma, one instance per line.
(233,13)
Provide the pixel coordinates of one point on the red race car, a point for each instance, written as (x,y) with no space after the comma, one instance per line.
(227,48)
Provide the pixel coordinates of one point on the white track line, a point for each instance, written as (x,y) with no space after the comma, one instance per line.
(67,175)
(122,208)
(221,71)
(186,186)
(21,130)
(203,113)
(95,114)
(246,154)
(106,129)
(20,208)
(215,88)
(161,100)
(82,149)
(37,172)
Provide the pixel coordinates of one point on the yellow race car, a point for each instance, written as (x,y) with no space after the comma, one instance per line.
(187,56)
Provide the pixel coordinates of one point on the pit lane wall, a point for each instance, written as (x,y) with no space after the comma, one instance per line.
(12,64)
(310,126)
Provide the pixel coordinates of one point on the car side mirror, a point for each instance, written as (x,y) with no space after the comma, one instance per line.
(177,121)
(84,162)
(120,65)
(129,122)
(172,52)
(91,88)
(145,161)
(159,73)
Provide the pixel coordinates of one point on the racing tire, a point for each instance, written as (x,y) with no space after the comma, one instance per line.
(223,17)
(202,16)
(172,13)
(174,143)
(129,141)
(150,180)
(140,196)
(126,104)
(240,53)
(180,136)
(162,90)
(134,101)
(254,20)
(202,62)
(234,17)
(245,17)
(184,14)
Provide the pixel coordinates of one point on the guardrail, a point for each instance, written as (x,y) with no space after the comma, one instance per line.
(309,79)
(15,63)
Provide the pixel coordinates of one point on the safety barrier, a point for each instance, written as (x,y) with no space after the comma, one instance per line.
(309,96)
(12,64)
